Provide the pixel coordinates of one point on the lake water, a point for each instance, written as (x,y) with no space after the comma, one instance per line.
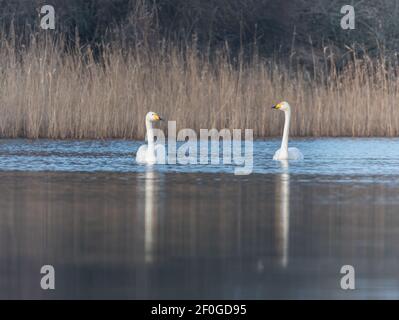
(115,229)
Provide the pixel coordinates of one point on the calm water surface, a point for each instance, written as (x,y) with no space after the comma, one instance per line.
(115,229)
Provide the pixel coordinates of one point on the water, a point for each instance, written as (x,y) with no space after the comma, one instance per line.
(115,229)
(361,157)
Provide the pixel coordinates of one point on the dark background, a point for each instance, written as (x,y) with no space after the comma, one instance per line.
(278,27)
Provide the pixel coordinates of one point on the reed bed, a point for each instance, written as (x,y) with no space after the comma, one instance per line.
(50,91)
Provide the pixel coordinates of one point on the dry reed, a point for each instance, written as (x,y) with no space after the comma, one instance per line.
(47,91)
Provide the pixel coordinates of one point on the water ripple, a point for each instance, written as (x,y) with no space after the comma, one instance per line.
(325,156)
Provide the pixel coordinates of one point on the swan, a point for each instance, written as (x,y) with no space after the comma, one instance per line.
(285,153)
(151,153)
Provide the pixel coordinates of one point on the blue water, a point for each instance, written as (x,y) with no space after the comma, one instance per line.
(325,156)
(154,233)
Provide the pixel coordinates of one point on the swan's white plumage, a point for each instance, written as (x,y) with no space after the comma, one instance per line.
(144,156)
(151,153)
(293,154)
(285,153)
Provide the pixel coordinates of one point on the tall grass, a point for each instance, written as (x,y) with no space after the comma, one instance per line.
(50,91)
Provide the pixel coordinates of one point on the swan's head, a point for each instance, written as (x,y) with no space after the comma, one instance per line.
(283,106)
(153,117)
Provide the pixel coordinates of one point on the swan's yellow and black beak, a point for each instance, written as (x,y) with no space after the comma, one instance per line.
(157,117)
(277,106)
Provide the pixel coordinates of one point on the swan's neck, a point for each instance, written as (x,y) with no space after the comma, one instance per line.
(284,142)
(150,135)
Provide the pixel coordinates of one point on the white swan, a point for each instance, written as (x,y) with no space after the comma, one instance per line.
(285,153)
(151,153)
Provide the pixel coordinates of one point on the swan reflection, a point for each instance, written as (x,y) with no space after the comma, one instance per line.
(283,213)
(150,214)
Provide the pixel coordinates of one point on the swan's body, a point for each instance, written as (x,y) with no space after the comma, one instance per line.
(293,154)
(151,153)
(285,153)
